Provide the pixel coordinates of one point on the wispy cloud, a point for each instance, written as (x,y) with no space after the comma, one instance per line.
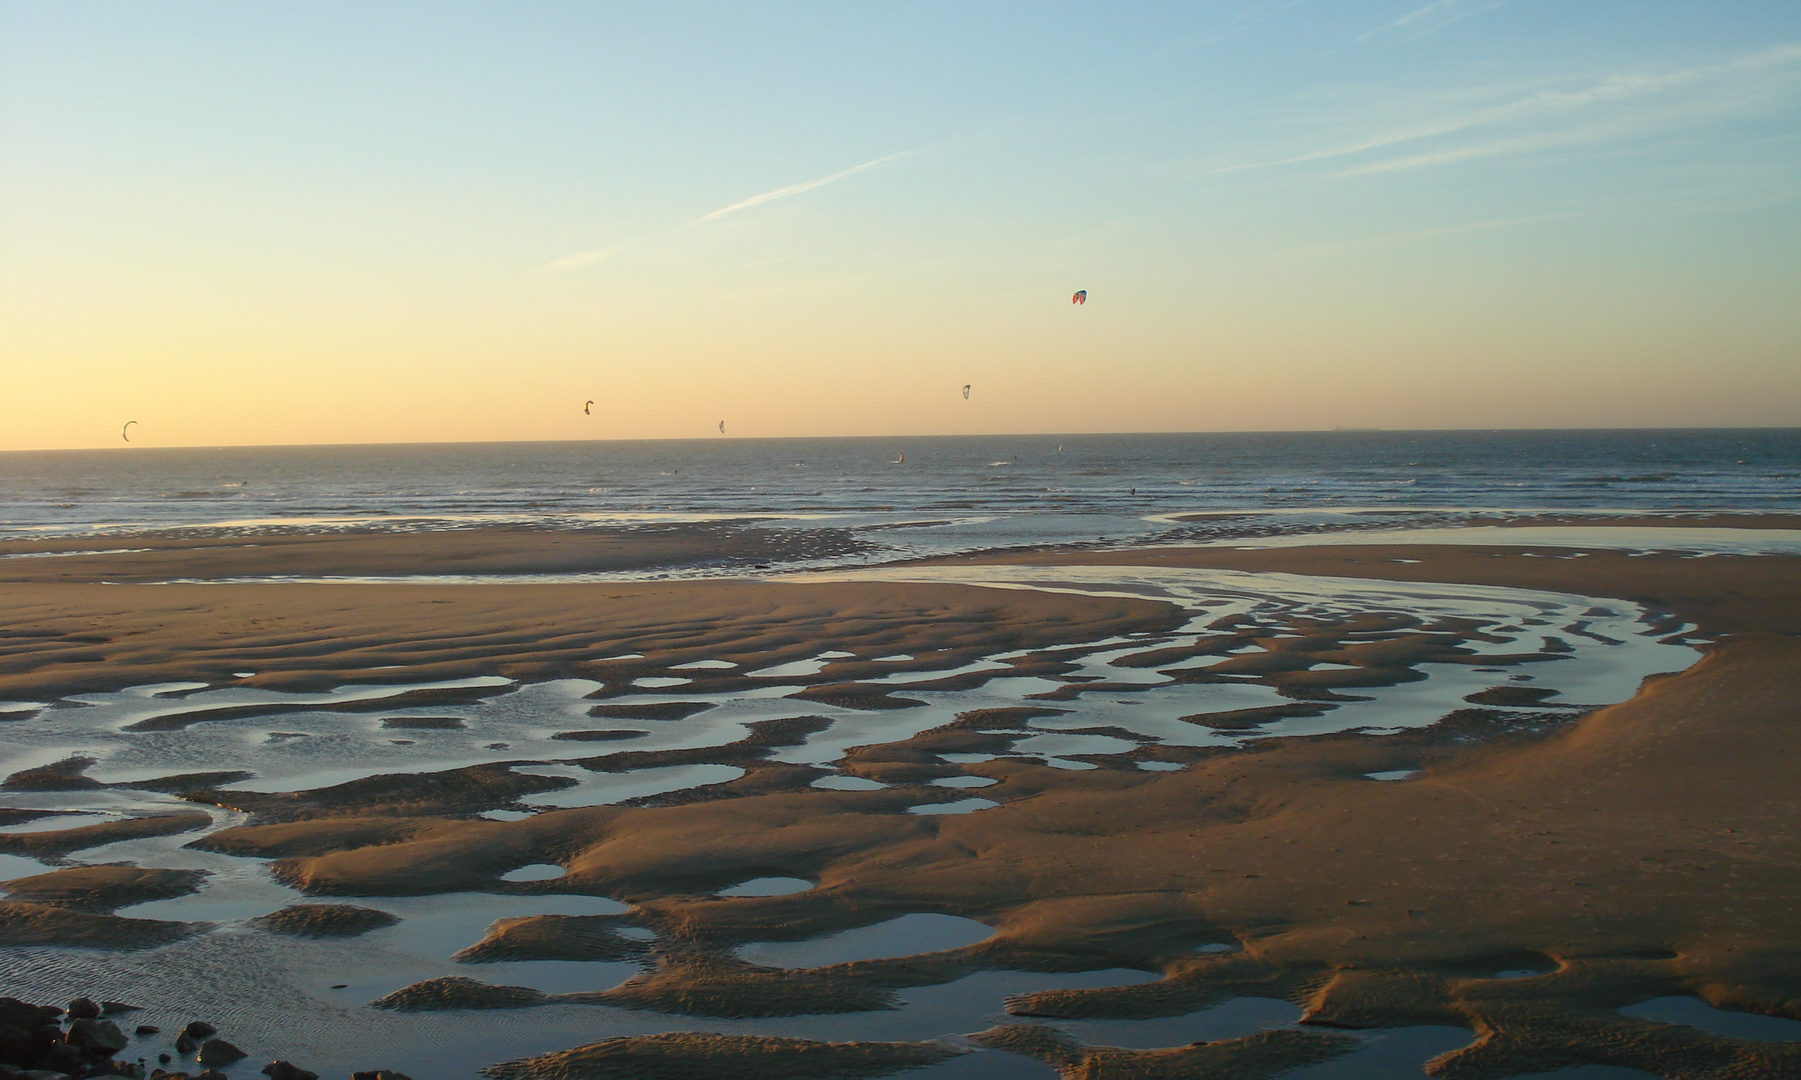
(793,189)
(582,259)
(575,261)
(1259,12)
(1434,17)
(1606,108)
(1419,13)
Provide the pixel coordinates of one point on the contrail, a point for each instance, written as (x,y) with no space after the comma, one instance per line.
(793,189)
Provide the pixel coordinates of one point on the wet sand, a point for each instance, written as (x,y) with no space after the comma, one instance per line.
(1524,883)
(66,638)
(218,553)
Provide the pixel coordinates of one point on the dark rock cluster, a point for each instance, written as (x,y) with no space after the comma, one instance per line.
(44,1042)
(33,1039)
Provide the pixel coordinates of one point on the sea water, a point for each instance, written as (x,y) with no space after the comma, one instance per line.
(986,491)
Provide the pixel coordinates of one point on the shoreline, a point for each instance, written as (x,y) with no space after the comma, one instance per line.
(1595,851)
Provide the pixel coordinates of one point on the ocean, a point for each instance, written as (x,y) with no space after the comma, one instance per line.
(914,495)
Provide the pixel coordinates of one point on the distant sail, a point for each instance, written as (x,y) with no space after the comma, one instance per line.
(126,428)
(965,391)
(1081,297)
(588,406)
(902,460)
(722,427)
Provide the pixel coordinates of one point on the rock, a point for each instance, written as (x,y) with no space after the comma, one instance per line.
(111,1007)
(211,1074)
(185,1045)
(99,1037)
(199,1029)
(27,1032)
(14,1011)
(148,1029)
(220,1052)
(282,1070)
(379,1074)
(83,1009)
(62,1058)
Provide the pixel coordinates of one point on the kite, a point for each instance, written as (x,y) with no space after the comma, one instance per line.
(722,427)
(126,428)
(1081,297)
(585,408)
(965,391)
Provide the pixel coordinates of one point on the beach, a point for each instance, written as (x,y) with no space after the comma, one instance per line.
(1253,541)
(1517,868)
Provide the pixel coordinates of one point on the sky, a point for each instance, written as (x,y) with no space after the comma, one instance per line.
(395,222)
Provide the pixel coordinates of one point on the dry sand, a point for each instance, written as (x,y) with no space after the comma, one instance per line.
(1647,849)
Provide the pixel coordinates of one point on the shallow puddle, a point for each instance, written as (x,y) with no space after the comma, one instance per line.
(535,872)
(792,670)
(1062,745)
(17,866)
(1713,541)
(768,886)
(439,926)
(1592,1072)
(1695,1013)
(602,789)
(1388,1054)
(960,806)
(848,783)
(905,936)
(229,895)
(1229,1020)
(984,1064)
(55,822)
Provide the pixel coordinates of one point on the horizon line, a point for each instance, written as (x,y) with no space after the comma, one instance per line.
(940,435)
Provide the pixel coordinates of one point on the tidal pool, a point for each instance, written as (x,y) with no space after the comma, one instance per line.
(905,936)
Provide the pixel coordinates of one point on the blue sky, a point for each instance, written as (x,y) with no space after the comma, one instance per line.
(824,219)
